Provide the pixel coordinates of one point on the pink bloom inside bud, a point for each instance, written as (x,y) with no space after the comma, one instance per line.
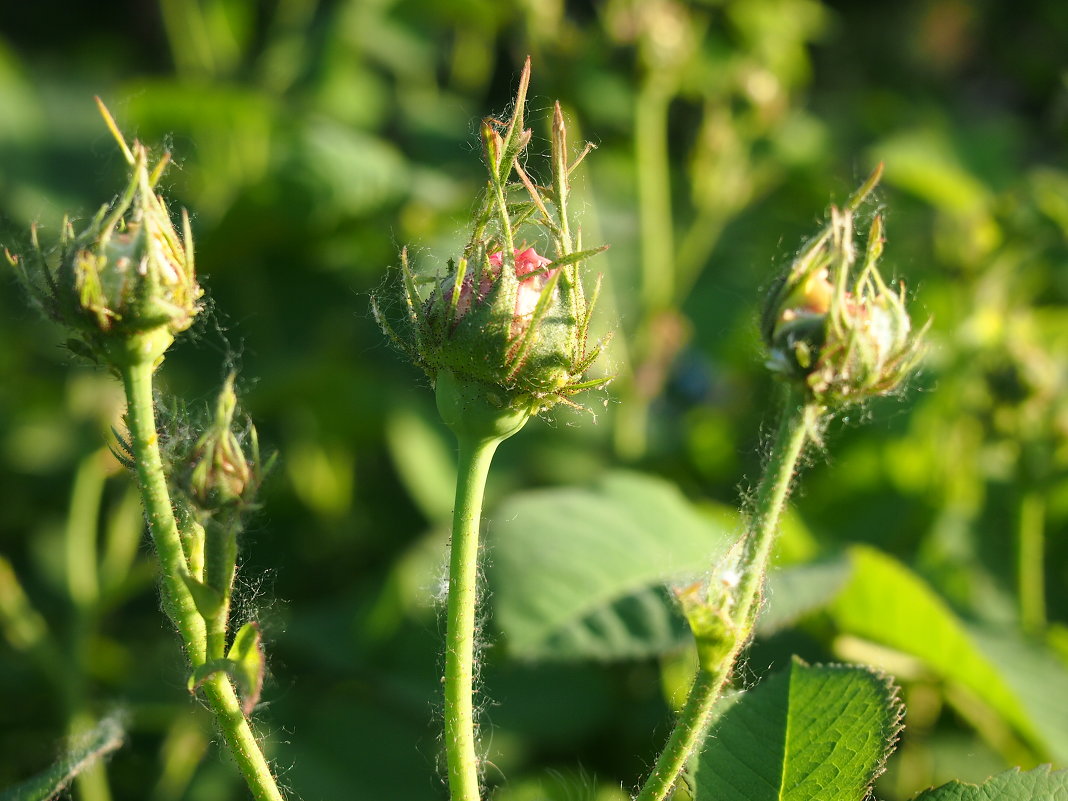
(463,303)
(527,261)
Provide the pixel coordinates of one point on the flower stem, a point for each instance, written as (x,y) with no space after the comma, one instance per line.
(239,738)
(693,719)
(798,422)
(220,561)
(140,417)
(474,462)
(177,600)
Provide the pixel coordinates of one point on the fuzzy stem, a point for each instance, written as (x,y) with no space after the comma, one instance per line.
(140,417)
(474,463)
(233,725)
(137,381)
(693,719)
(799,420)
(797,423)
(220,562)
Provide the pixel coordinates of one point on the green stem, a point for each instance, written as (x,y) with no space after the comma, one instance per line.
(694,718)
(1030,577)
(657,252)
(239,738)
(474,463)
(654,194)
(141,419)
(137,381)
(220,561)
(798,422)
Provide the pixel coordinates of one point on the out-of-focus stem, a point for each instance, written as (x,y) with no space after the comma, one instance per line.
(1030,567)
(654,195)
(657,248)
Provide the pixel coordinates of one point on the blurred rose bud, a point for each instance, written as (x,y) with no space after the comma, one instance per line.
(841,338)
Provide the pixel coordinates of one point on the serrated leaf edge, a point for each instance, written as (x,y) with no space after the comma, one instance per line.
(892,732)
(1045,770)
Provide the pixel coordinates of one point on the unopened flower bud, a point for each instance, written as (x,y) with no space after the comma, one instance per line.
(517,331)
(126,282)
(221,475)
(842,338)
(507,324)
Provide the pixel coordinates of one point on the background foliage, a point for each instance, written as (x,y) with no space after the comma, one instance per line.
(314,138)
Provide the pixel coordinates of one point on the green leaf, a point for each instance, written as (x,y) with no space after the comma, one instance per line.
(1040,784)
(886,603)
(821,731)
(579,573)
(796,591)
(105,737)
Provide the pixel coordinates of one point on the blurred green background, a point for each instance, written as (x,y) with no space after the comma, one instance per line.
(312,139)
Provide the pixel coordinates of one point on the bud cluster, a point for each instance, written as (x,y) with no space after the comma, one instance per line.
(126,278)
(841,338)
(506,321)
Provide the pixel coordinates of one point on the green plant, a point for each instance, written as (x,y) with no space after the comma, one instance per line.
(502,336)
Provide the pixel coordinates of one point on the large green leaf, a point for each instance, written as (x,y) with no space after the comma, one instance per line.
(886,603)
(580,573)
(1040,784)
(820,732)
(796,591)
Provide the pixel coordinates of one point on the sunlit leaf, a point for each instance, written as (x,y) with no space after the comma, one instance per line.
(1040,784)
(885,603)
(821,731)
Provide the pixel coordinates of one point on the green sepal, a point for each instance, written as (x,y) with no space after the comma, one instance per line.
(207,600)
(244,663)
(715,633)
(247,655)
(479,411)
